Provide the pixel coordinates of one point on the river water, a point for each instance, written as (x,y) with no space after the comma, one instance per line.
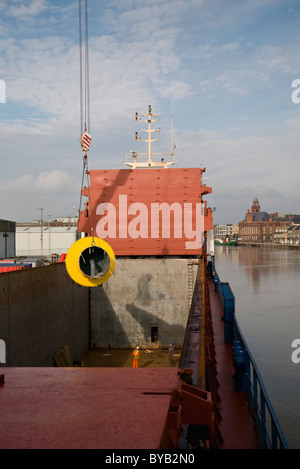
(266,286)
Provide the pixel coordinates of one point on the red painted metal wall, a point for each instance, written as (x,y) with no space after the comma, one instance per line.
(147,211)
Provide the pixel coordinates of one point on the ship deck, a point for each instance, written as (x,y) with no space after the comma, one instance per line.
(111,406)
(85,408)
(236,426)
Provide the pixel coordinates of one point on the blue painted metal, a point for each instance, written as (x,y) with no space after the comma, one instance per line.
(228,302)
(247,375)
(229,309)
(239,363)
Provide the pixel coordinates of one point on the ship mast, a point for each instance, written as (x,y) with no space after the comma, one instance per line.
(141,163)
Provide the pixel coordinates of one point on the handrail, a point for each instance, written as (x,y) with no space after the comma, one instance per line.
(270,433)
(250,380)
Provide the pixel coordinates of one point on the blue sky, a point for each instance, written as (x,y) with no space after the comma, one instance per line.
(226,65)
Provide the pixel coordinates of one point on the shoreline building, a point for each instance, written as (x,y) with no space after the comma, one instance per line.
(226,232)
(263,227)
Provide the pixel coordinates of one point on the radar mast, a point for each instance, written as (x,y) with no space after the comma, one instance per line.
(145,160)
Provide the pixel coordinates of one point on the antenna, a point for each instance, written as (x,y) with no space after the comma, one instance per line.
(173,144)
(150,117)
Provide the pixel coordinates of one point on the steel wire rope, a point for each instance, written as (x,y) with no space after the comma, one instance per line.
(87,73)
(84,95)
(84,75)
(80,66)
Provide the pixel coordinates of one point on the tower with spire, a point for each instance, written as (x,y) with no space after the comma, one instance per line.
(255,206)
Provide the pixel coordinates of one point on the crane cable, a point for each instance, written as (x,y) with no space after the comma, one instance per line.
(85,138)
(88,265)
(84,63)
(87,259)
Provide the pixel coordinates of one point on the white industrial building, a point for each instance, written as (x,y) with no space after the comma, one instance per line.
(44,241)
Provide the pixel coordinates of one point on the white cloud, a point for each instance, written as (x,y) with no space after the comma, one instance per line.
(39,74)
(28,9)
(56,191)
(50,182)
(275,57)
(227,68)
(54,181)
(232,83)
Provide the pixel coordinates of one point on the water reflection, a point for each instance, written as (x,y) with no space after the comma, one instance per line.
(266,285)
(259,264)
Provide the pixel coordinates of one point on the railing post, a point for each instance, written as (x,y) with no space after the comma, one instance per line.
(274,435)
(255,403)
(247,366)
(263,429)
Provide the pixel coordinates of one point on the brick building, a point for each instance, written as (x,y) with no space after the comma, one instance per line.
(259,226)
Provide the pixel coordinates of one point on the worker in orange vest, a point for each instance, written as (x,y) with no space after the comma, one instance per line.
(136,356)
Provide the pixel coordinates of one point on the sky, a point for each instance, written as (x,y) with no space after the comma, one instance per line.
(222,73)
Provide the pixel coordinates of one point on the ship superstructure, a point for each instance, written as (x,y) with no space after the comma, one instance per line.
(150,209)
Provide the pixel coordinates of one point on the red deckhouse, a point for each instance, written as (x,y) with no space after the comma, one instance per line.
(148,210)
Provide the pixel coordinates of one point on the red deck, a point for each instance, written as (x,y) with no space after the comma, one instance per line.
(236,426)
(112,408)
(82,408)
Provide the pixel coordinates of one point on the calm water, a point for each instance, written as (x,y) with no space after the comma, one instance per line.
(266,285)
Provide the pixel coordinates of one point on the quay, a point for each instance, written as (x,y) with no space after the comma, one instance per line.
(269,245)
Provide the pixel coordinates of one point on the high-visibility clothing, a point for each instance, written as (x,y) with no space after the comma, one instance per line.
(136,357)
